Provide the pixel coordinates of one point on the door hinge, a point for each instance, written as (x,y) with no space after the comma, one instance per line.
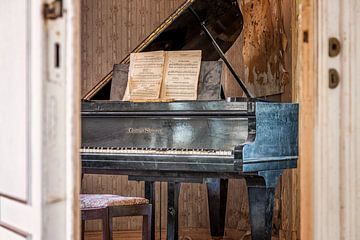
(53,10)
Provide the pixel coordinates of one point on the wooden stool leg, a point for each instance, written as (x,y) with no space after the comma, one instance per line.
(105,225)
(150,194)
(82,229)
(146,227)
(110,227)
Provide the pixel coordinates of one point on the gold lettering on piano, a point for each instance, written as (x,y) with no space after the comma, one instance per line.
(144,130)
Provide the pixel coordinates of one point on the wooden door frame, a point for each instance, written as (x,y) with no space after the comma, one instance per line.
(61,130)
(71,138)
(329,120)
(304,92)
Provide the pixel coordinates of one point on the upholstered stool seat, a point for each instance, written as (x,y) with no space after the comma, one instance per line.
(108,200)
(107,206)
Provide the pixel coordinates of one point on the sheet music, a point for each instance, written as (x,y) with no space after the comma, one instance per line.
(181,75)
(145,76)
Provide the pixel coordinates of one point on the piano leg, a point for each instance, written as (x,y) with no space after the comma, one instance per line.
(173,209)
(261,191)
(217,197)
(150,195)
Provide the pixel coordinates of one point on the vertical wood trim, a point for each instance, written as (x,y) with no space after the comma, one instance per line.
(336,189)
(327,129)
(72,105)
(306,84)
(350,120)
(60,166)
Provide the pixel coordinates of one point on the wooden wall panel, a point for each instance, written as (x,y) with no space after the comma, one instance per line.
(111,28)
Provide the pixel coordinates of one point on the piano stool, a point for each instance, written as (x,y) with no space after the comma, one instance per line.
(107,206)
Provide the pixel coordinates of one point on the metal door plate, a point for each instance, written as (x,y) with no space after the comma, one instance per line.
(334,78)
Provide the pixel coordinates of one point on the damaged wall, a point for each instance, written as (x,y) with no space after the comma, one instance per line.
(262,53)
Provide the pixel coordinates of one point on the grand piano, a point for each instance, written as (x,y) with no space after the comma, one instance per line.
(205,141)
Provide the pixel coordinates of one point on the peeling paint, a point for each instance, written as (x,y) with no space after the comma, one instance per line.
(263,47)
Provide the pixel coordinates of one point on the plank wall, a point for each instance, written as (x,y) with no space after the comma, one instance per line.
(262,56)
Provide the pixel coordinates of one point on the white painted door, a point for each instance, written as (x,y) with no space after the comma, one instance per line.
(39,113)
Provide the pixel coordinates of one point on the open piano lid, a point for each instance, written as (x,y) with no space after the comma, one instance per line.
(182,31)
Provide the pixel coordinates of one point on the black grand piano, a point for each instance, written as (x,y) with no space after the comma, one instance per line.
(207,141)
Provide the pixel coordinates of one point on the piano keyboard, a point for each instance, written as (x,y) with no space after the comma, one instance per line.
(164,151)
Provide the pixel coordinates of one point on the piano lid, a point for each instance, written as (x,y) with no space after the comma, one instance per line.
(182,31)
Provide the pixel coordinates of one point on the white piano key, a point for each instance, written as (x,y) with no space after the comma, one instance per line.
(112,150)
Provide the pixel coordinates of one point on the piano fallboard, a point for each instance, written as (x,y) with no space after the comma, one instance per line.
(186,125)
(205,136)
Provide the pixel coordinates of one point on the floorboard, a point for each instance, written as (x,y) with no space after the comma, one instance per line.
(186,234)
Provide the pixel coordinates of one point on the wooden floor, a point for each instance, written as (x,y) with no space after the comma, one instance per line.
(188,234)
